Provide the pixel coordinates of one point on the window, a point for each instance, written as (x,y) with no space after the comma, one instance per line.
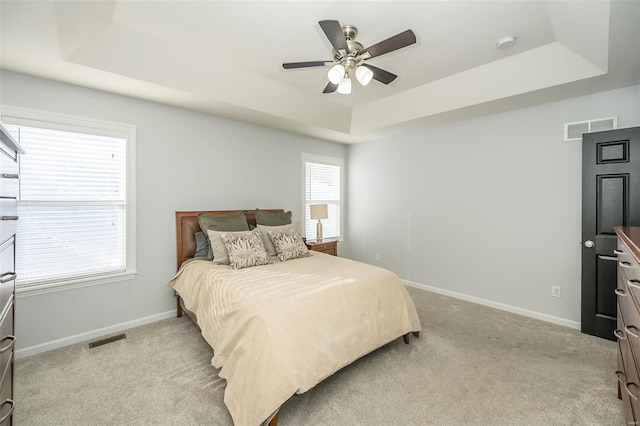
(323,184)
(76,201)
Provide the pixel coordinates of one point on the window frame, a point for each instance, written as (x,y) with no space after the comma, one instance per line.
(35,118)
(332,161)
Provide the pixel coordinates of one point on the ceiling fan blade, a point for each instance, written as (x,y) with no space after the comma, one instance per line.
(381,75)
(398,41)
(333,31)
(293,65)
(330,88)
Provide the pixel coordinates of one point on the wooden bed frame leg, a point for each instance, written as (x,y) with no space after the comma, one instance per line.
(619,392)
(274,421)
(178,307)
(407,336)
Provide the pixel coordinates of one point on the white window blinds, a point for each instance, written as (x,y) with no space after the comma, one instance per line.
(323,185)
(72,205)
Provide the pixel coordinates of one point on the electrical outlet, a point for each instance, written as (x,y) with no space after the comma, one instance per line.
(555,291)
(377,257)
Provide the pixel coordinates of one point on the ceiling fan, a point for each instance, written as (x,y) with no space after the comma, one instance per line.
(349,56)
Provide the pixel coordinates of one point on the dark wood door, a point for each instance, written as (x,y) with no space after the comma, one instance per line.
(610,197)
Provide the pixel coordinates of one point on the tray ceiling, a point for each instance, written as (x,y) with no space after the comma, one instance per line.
(224,57)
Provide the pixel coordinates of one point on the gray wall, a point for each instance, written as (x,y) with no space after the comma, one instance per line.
(185,161)
(487,209)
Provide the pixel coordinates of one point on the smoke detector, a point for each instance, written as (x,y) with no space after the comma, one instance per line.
(506,42)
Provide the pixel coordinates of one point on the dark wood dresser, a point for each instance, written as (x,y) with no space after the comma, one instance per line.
(628,329)
(329,246)
(9,187)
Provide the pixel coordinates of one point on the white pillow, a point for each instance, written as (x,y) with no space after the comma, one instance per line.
(220,255)
(266,240)
(245,249)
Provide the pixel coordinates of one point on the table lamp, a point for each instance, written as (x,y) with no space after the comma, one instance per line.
(319,211)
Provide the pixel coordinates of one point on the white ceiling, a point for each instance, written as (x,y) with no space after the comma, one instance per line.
(224,57)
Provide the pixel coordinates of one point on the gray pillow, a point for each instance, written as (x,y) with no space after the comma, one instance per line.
(222,222)
(266,240)
(289,244)
(272,219)
(202,245)
(245,249)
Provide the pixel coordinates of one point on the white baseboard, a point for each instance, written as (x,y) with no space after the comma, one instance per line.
(496,305)
(55,344)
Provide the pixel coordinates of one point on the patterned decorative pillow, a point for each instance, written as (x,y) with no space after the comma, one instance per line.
(266,240)
(245,249)
(288,244)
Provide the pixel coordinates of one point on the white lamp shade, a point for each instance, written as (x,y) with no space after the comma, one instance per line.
(319,211)
(364,75)
(344,88)
(336,74)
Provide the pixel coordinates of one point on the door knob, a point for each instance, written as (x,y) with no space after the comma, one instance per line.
(589,244)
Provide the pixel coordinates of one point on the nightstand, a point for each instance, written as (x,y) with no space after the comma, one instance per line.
(327,245)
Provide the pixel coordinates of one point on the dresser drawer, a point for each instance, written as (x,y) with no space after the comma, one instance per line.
(631,387)
(8,177)
(632,288)
(8,218)
(628,309)
(7,403)
(7,273)
(623,342)
(7,338)
(7,150)
(628,262)
(628,334)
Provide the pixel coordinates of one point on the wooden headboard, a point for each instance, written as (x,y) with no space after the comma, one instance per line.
(187,226)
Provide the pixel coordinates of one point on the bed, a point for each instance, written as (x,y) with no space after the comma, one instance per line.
(280,329)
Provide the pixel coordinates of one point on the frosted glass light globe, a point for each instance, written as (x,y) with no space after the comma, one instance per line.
(344,88)
(364,75)
(336,73)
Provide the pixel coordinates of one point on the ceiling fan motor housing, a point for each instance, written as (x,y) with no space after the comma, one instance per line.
(349,61)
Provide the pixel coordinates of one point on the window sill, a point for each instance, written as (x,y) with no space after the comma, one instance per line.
(38,289)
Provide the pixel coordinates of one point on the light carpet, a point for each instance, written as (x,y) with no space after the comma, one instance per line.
(472,365)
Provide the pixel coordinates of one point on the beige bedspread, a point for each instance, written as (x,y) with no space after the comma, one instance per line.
(281,329)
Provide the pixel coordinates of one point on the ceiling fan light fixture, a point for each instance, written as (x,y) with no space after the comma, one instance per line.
(344,87)
(364,75)
(336,74)
(348,56)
